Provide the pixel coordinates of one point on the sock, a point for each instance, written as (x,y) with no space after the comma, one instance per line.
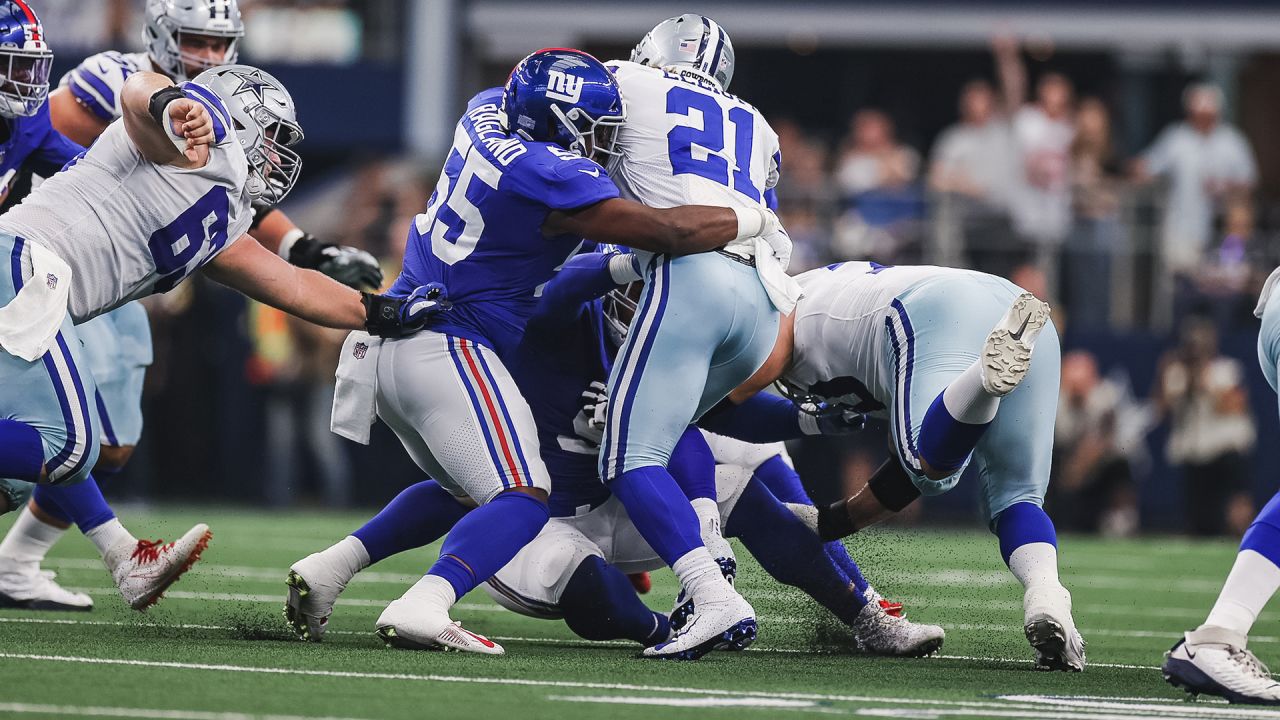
(784,483)
(487,538)
(347,557)
(432,590)
(700,576)
(81,503)
(108,535)
(789,551)
(21,451)
(421,514)
(1254,577)
(660,511)
(29,540)
(599,604)
(694,466)
(1028,544)
(956,421)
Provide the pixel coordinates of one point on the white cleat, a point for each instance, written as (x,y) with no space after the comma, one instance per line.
(144,569)
(1213,660)
(881,632)
(1051,630)
(1006,355)
(725,624)
(417,626)
(24,586)
(314,585)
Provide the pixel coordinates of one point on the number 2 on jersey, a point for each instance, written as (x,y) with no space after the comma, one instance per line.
(711,138)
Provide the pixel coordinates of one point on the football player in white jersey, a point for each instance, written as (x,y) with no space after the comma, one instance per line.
(706,322)
(945,354)
(183,39)
(164,192)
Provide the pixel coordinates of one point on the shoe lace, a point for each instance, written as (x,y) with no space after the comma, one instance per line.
(893,609)
(1251,664)
(148,551)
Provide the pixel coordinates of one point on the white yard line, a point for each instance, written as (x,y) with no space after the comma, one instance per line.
(125,712)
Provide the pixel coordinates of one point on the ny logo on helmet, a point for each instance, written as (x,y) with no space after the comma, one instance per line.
(563,86)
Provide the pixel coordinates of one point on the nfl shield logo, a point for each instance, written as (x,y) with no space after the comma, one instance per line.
(51,280)
(359,350)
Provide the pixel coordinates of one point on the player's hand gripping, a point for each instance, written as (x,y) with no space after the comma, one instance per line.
(190,119)
(590,421)
(399,317)
(350,266)
(830,419)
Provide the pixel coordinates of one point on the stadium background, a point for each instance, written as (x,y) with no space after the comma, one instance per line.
(236,403)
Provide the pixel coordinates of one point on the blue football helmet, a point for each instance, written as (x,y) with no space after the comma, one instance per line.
(566,97)
(25,60)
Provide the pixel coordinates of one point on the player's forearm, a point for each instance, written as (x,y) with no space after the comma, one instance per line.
(685,230)
(135,100)
(273,228)
(762,418)
(72,119)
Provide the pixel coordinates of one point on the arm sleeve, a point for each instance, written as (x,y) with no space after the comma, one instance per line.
(761,419)
(96,83)
(583,278)
(560,180)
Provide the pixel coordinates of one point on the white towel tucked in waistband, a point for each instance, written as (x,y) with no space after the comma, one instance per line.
(29,323)
(355,398)
(784,291)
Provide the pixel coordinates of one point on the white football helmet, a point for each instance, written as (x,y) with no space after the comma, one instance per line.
(688,41)
(266,124)
(167,20)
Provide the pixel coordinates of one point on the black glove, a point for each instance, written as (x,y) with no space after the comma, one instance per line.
(350,266)
(399,317)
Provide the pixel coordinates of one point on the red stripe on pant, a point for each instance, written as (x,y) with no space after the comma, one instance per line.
(494,417)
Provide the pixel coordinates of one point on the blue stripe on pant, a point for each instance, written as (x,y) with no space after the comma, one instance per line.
(53,394)
(704,326)
(936,331)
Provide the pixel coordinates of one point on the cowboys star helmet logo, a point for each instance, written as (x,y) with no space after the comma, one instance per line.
(252,82)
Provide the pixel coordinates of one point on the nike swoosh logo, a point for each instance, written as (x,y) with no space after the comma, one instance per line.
(593,172)
(483,641)
(1018,335)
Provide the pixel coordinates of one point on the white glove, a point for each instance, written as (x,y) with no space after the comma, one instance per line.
(590,421)
(776,237)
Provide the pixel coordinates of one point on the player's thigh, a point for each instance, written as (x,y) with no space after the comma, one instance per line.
(55,395)
(658,381)
(1014,456)
(459,414)
(535,579)
(117,348)
(935,332)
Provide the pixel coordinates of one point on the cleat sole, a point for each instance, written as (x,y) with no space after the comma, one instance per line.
(8,603)
(1050,642)
(146,601)
(392,639)
(737,638)
(298,590)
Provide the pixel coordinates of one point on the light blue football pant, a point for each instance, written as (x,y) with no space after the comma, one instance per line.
(936,330)
(55,394)
(703,326)
(1269,339)
(117,347)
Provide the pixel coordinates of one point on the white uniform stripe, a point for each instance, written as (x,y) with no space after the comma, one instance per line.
(901,398)
(86,87)
(632,367)
(79,423)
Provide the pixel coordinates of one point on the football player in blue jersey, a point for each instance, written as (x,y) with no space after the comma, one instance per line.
(574,568)
(183,38)
(518,193)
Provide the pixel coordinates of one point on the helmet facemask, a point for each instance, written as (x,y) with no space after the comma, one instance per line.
(24,81)
(594,138)
(274,166)
(620,306)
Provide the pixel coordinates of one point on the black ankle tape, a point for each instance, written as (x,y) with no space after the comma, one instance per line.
(834,521)
(892,486)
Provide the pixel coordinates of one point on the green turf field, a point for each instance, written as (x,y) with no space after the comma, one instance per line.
(216,648)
